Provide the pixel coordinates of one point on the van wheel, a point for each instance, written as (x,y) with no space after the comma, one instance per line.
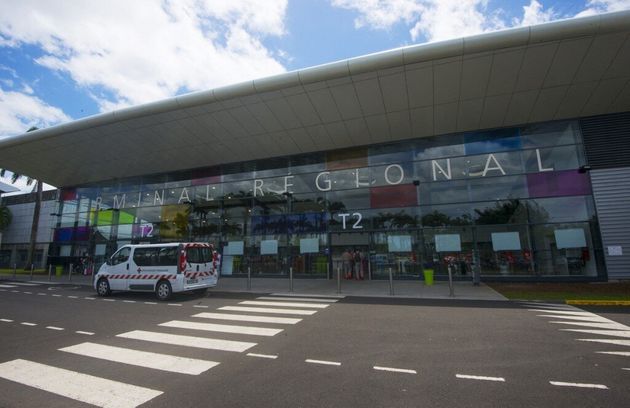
(163,290)
(102,287)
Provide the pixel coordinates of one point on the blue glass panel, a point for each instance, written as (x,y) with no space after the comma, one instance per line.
(492,141)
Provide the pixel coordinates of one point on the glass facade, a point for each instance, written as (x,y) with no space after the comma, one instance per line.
(510,202)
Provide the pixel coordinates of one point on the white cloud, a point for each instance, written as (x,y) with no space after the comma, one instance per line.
(131,52)
(20,111)
(535,14)
(604,6)
(436,20)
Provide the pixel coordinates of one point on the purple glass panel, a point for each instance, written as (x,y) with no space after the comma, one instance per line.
(558,183)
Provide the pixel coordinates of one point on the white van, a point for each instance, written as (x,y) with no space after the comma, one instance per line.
(161,268)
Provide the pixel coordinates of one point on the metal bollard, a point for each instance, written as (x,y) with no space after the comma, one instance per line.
(32,267)
(391,283)
(70,273)
(49,273)
(450,282)
(249,278)
(291,279)
(338,280)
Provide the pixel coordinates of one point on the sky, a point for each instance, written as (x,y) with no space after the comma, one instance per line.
(63,60)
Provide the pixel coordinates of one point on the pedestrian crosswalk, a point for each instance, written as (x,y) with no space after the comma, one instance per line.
(571,319)
(106,392)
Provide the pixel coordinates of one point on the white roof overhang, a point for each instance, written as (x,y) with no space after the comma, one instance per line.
(564,69)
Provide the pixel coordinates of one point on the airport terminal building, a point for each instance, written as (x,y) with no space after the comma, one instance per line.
(504,154)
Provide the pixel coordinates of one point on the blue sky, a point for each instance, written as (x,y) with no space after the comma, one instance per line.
(61,63)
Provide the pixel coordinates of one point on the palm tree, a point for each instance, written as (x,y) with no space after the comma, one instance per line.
(38,204)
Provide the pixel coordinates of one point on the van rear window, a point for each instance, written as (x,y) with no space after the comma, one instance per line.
(198,254)
(165,256)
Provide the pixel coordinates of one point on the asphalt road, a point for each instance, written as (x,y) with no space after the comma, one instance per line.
(350,352)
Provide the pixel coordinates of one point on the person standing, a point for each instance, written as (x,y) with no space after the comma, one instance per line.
(346,258)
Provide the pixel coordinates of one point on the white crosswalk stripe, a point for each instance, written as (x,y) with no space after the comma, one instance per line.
(188,341)
(593,318)
(223,328)
(7,286)
(609,326)
(616,353)
(614,333)
(283,304)
(248,318)
(268,310)
(298,299)
(164,362)
(565,312)
(310,295)
(77,386)
(608,341)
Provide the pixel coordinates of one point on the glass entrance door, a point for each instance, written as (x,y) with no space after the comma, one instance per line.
(350,255)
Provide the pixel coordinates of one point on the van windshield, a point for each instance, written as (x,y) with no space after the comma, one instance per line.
(198,254)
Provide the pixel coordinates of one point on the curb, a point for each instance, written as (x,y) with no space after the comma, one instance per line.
(599,302)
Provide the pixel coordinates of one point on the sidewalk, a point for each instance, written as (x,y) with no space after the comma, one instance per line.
(375,288)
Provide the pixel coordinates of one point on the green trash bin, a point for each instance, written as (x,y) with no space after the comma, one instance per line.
(428,277)
(58,270)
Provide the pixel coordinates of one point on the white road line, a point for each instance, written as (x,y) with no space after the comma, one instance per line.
(626,369)
(55,328)
(610,326)
(188,341)
(294,299)
(109,300)
(150,303)
(395,370)
(164,362)
(24,284)
(223,328)
(41,294)
(310,296)
(7,286)
(614,333)
(564,312)
(174,304)
(6,320)
(257,303)
(73,297)
(248,318)
(324,362)
(616,353)
(84,332)
(29,324)
(55,295)
(15,291)
(200,306)
(579,385)
(593,318)
(268,310)
(479,377)
(270,356)
(28,293)
(607,341)
(89,298)
(129,301)
(77,386)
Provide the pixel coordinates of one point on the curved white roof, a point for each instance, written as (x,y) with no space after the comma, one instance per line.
(559,70)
